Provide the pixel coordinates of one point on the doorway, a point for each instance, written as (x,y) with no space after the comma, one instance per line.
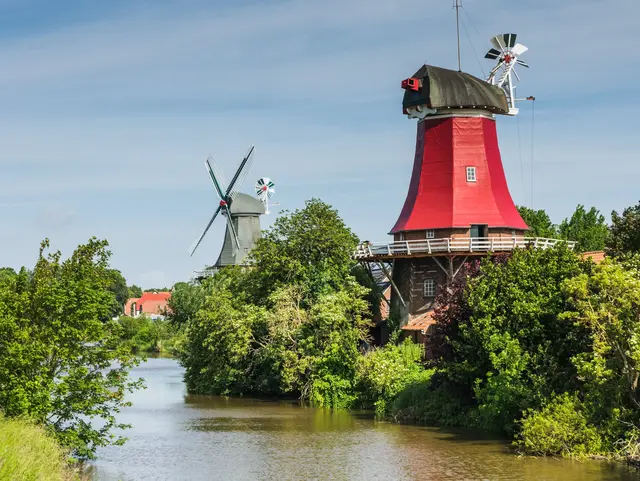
(477,234)
(478,230)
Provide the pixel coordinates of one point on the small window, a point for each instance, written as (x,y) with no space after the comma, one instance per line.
(431,234)
(471,174)
(429,288)
(513,233)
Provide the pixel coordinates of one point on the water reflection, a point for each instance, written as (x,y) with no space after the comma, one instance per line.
(183,437)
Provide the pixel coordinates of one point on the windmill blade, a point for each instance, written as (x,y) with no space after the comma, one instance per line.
(215,214)
(222,180)
(243,176)
(497,42)
(242,171)
(214,179)
(509,39)
(231,226)
(234,244)
(519,49)
(523,63)
(516,74)
(493,54)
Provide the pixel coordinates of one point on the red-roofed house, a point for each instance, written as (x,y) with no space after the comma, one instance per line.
(153,304)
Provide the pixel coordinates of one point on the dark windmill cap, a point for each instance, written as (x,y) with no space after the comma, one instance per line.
(441,88)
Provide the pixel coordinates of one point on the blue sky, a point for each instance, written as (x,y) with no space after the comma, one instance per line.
(108,110)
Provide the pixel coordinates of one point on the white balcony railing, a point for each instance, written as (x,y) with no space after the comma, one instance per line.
(452,246)
(205,273)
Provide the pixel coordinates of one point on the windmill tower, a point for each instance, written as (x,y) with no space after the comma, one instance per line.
(241,211)
(458,203)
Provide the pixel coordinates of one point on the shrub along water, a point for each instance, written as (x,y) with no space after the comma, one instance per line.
(295,324)
(542,346)
(143,334)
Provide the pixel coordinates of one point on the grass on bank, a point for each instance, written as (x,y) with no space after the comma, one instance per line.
(28,453)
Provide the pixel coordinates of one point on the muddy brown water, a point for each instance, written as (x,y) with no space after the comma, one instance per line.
(176,436)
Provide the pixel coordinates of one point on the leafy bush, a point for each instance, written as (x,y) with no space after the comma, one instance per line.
(60,356)
(144,334)
(218,347)
(505,343)
(559,428)
(385,372)
(433,402)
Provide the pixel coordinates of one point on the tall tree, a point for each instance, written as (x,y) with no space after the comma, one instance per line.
(587,228)
(60,362)
(118,286)
(186,300)
(624,235)
(539,223)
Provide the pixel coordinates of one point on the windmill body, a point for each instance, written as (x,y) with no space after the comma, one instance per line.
(458,203)
(245,215)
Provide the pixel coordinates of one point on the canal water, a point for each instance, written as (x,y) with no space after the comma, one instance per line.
(176,436)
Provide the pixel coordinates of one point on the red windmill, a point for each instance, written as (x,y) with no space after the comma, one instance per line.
(458,204)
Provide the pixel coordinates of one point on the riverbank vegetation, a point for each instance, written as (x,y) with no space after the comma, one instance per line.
(146,335)
(62,365)
(539,345)
(28,452)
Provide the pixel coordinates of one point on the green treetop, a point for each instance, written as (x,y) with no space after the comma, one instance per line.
(310,248)
(625,232)
(539,223)
(587,228)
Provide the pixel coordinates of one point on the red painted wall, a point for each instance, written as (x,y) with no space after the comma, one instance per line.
(439,195)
